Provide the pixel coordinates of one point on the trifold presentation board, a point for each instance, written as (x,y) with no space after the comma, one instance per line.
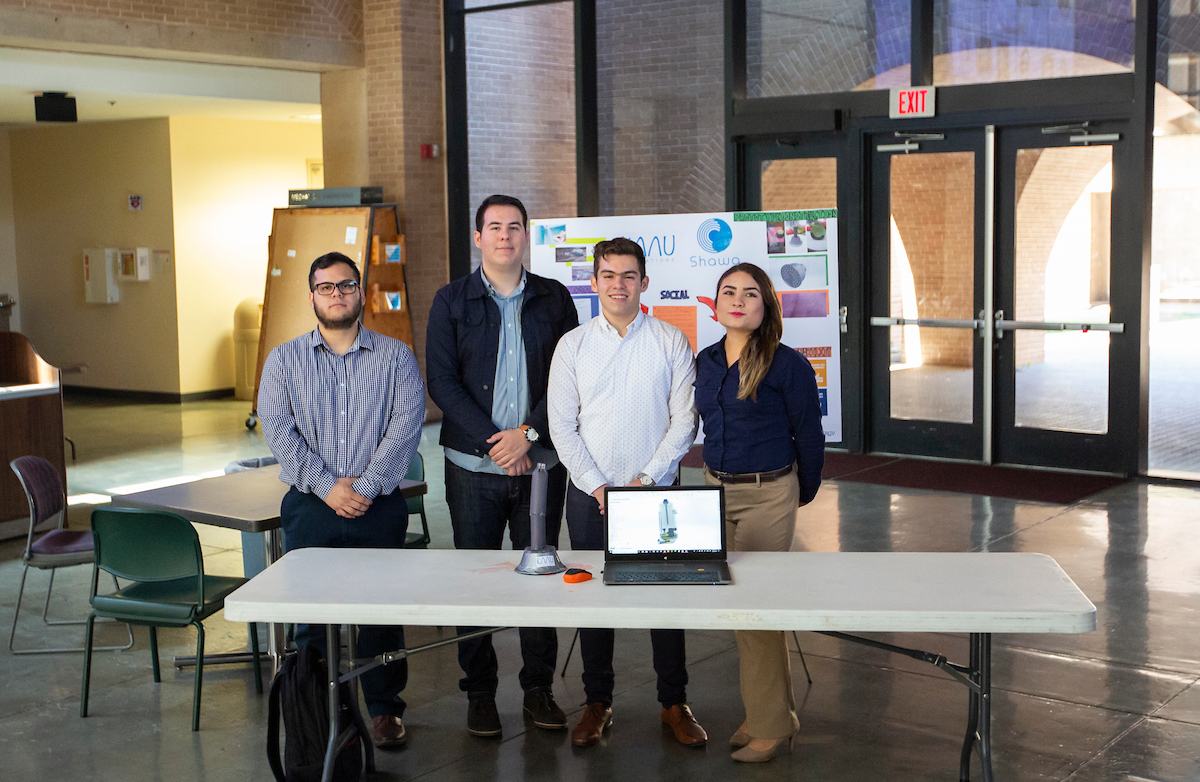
(686,255)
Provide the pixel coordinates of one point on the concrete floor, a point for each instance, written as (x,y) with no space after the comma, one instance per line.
(1119,704)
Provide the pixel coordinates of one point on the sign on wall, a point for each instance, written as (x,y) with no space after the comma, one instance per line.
(687,254)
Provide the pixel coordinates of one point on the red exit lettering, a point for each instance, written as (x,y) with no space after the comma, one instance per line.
(912,102)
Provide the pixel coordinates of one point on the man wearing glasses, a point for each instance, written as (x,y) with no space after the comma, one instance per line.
(342,408)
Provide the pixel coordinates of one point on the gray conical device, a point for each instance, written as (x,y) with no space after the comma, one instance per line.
(539,559)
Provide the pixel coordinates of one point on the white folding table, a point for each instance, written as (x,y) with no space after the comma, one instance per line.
(833,593)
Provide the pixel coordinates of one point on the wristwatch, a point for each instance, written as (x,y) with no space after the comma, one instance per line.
(530,433)
(645,479)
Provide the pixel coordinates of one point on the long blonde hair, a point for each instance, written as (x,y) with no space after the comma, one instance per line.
(759,350)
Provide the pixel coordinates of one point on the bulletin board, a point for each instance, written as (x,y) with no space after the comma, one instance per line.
(686,255)
(301,235)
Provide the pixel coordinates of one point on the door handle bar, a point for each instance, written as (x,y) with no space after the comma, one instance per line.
(1029,325)
(936,323)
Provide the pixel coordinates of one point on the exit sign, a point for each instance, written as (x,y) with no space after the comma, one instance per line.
(911,102)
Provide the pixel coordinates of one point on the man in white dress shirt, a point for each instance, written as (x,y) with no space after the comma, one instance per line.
(622,413)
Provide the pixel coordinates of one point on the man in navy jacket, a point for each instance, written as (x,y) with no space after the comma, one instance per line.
(489,344)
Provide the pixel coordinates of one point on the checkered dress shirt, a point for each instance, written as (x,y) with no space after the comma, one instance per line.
(327,416)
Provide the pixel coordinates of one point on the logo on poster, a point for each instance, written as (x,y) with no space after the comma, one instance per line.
(714,235)
(657,246)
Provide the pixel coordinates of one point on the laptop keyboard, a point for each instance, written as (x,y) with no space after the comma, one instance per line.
(683,576)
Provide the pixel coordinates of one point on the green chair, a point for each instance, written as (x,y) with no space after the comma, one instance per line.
(416,472)
(160,554)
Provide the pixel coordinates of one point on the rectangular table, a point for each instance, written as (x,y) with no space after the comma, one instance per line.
(247,501)
(835,593)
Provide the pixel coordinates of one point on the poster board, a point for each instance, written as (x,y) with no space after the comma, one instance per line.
(686,255)
(298,237)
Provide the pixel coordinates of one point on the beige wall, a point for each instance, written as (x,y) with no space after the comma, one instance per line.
(70,189)
(228,176)
(8,246)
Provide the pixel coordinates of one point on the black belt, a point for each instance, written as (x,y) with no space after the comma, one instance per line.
(752,477)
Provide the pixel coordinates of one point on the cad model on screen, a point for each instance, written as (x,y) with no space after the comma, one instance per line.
(666,522)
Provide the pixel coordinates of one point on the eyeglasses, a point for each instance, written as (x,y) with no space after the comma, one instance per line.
(347,287)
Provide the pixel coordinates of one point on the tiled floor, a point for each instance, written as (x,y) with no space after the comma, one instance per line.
(1118,704)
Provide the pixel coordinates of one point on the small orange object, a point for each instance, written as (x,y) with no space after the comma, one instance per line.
(576,576)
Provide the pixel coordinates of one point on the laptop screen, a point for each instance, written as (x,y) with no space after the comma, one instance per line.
(665,522)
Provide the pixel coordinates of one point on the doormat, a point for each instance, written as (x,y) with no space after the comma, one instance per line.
(1059,488)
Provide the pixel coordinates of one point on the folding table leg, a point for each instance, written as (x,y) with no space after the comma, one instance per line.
(964,763)
(979,710)
(985,705)
(332,644)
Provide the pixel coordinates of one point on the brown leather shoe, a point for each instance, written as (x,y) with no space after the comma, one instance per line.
(687,731)
(389,732)
(596,717)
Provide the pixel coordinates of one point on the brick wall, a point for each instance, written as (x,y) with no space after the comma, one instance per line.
(337,19)
(404,98)
(521,107)
(806,183)
(822,46)
(933,205)
(661,89)
(331,19)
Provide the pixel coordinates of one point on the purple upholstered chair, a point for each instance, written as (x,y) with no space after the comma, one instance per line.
(60,547)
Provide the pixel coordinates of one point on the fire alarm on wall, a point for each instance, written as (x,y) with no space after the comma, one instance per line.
(429,150)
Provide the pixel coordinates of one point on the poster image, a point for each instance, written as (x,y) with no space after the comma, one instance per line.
(576,254)
(686,255)
(776,238)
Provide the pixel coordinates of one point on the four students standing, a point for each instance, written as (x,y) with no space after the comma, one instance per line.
(613,402)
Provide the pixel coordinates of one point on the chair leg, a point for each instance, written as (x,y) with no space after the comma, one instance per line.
(55,622)
(200,674)
(87,665)
(254,650)
(570,650)
(154,653)
(46,605)
(17,611)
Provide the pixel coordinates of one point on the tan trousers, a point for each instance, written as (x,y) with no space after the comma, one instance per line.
(762,517)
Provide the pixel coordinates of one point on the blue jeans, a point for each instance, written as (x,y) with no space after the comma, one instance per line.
(309,522)
(585,524)
(481,506)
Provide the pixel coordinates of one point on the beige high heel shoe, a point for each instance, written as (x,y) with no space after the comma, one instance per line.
(747,755)
(739,739)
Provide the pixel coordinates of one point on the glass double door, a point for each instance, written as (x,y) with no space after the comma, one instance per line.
(990,269)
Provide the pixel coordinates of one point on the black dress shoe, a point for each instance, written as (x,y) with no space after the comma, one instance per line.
(482,717)
(541,708)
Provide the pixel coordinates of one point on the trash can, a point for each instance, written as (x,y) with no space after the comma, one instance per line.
(247,320)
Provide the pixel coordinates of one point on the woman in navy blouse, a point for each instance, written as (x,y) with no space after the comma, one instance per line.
(764,442)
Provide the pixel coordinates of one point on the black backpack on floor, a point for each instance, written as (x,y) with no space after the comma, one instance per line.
(300,693)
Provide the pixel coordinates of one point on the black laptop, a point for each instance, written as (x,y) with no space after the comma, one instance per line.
(665,535)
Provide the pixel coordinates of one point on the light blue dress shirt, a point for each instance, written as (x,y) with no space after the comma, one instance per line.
(510,395)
